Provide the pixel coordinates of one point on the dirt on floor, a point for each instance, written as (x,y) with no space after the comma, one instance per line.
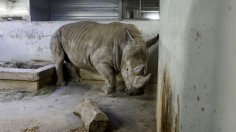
(17,64)
(51,109)
(11,95)
(23,65)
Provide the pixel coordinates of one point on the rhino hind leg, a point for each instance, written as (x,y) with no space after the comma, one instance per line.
(58,55)
(107,73)
(74,69)
(60,75)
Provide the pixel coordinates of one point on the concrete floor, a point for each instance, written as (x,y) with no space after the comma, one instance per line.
(54,112)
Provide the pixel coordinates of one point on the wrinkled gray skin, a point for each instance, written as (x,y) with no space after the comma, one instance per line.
(106,48)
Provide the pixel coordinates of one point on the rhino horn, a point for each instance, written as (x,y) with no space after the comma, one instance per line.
(140,81)
(138,69)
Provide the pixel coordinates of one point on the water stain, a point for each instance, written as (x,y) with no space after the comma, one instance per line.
(40,49)
(202,109)
(198,35)
(1,36)
(214,111)
(177,116)
(166,107)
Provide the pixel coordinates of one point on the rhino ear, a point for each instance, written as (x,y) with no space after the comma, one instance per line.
(130,38)
(152,41)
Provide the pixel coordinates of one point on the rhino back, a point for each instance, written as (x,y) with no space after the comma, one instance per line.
(89,43)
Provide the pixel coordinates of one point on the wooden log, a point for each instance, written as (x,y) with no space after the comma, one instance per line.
(94,119)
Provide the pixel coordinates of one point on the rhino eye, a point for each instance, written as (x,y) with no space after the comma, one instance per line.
(127,69)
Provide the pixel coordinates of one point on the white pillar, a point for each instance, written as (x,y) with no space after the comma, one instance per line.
(198,54)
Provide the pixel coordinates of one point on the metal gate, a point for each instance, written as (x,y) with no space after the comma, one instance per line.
(85,10)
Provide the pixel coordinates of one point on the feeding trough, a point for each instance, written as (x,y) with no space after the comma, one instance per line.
(27,78)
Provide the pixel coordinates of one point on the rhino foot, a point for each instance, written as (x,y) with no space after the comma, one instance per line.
(109,90)
(77,80)
(61,83)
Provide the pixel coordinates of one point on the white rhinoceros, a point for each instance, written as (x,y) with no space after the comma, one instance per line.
(105,48)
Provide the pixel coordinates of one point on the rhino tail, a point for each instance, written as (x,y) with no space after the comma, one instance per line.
(57,48)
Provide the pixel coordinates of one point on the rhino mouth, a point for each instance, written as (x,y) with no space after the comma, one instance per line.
(135,92)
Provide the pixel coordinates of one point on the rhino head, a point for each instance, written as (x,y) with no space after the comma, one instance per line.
(134,65)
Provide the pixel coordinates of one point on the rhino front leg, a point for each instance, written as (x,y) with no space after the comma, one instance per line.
(110,80)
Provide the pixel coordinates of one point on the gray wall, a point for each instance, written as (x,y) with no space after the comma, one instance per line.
(197,66)
(27,41)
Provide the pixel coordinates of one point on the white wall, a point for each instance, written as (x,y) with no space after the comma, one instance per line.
(25,41)
(198,50)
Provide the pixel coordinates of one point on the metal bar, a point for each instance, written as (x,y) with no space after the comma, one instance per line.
(120,10)
(91,8)
(140,8)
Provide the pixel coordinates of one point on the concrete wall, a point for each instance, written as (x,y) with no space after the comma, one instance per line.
(197,66)
(27,41)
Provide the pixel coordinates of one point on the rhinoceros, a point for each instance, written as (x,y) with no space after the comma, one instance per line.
(106,48)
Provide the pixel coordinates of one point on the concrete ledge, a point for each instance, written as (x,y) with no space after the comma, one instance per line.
(26,74)
(19,85)
(27,79)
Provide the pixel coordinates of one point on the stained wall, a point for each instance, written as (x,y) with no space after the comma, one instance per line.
(197,66)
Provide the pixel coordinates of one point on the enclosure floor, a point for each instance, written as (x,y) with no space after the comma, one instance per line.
(54,112)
